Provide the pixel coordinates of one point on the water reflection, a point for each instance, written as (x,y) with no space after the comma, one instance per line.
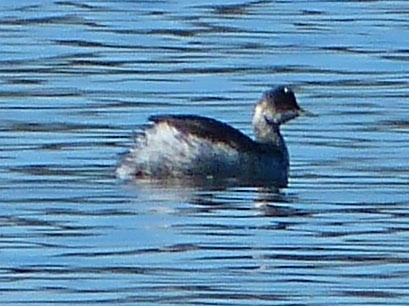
(206,196)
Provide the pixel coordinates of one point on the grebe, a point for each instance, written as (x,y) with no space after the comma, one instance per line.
(190,146)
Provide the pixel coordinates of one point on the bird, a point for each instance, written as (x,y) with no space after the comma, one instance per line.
(185,146)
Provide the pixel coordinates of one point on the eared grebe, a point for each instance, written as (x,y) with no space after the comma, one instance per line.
(187,146)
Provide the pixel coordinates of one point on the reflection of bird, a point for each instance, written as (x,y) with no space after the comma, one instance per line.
(183,146)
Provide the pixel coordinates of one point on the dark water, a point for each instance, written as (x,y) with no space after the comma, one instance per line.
(77,78)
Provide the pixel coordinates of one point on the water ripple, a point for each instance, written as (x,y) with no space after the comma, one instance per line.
(79,79)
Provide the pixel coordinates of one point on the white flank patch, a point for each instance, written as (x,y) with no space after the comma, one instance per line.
(165,151)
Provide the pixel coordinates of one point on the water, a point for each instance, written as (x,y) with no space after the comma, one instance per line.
(78,78)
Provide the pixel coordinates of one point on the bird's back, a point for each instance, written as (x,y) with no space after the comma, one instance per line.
(188,145)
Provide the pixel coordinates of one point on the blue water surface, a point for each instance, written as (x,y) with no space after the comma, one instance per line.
(79,78)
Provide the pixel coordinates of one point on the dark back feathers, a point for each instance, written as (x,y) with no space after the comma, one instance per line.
(213,130)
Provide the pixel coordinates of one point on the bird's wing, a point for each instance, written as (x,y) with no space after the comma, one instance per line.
(213,130)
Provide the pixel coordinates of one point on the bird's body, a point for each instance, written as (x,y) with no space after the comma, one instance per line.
(183,146)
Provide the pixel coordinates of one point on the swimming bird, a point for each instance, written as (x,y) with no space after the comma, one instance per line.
(192,146)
